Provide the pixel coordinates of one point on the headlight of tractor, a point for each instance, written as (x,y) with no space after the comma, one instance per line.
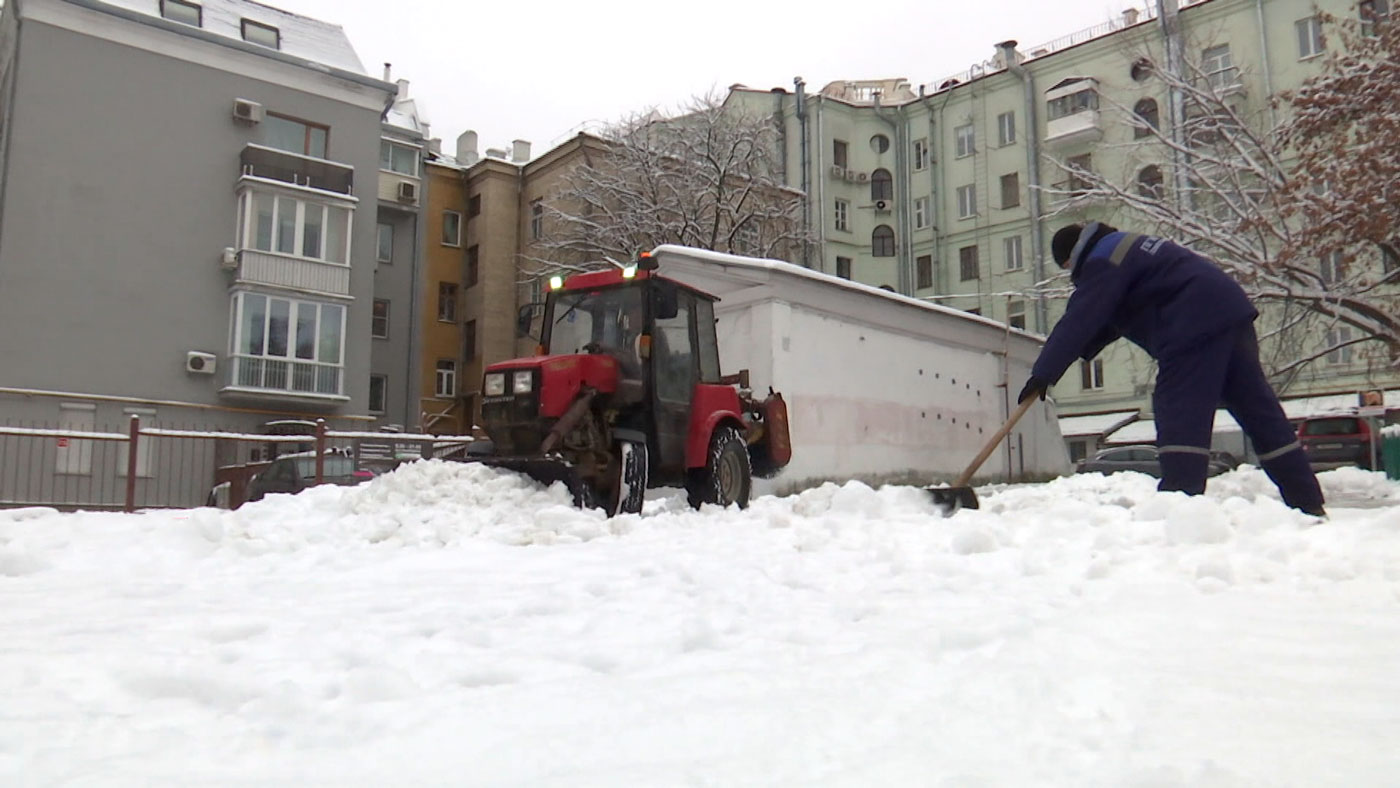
(495,384)
(523,382)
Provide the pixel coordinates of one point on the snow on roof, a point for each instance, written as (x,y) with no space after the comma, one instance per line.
(1304,407)
(1095,423)
(1145,430)
(299,36)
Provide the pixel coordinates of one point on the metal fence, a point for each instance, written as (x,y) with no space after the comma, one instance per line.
(149,466)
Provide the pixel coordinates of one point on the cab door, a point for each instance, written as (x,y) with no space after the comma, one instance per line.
(675,371)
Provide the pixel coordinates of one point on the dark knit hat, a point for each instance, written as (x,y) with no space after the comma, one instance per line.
(1063,243)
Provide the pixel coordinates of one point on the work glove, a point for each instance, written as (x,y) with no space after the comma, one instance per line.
(1035,386)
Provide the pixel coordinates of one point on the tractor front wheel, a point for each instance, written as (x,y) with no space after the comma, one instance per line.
(727,476)
(630,479)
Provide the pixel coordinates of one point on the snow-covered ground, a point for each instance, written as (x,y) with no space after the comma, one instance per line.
(453,625)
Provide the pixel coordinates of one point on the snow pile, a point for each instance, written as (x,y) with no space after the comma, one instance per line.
(451,624)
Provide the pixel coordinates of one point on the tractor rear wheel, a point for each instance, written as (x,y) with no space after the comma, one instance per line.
(727,476)
(629,479)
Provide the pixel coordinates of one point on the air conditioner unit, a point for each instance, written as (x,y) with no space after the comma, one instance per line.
(862,177)
(408,191)
(228,260)
(201,363)
(247,111)
(838,171)
(882,206)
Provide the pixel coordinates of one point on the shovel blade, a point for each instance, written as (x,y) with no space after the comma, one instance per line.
(951,499)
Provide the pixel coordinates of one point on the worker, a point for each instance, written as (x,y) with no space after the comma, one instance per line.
(1198,324)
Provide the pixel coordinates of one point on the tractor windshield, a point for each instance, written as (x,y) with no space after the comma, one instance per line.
(609,319)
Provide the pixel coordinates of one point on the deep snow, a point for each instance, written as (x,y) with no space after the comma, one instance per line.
(451,624)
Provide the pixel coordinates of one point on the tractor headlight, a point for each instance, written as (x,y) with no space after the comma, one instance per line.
(522,382)
(495,384)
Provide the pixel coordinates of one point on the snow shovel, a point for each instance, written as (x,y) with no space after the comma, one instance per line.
(959,495)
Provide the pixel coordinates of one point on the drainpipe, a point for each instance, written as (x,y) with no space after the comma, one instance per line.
(935,209)
(1168,18)
(902,240)
(1268,69)
(805,165)
(821,192)
(1013,63)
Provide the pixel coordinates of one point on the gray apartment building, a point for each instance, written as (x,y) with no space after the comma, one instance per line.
(190,204)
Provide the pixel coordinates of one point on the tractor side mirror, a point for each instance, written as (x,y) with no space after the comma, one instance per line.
(525,317)
(665,300)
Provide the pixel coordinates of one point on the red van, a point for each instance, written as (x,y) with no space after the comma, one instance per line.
(1337,440)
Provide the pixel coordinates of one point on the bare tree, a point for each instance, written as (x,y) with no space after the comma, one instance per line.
(1208,173)
(708,178)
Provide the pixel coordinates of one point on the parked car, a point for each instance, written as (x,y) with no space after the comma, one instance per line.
(295,472)
(1143,459)
(1337,440)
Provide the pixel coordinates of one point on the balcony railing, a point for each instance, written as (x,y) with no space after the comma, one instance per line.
(298,273)
(309,171)
(285,376)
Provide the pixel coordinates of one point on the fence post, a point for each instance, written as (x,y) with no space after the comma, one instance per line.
(320,450)
(133,436)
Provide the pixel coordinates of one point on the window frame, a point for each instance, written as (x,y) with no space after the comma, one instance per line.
(537,219)
(183,5)
(882,241)
(1091,375)
(842,219)
(323,328)
(473,265)
(383,382)
(843,267)
(245,24)
(923,272)
(1013,250)
(379,251)
(921,213)
(840,153)
(1340,356)
(1006,128)
(376,320)
(445,379)
(1331,268)
(447,302)
(329,246)
(967,201)
(454,239)
(1309,30)
(308,128)
(1016,314)
(469,339)
(389,147)
(964,140)
(1218,65)
(881,184)
(969,264)
(921,154)
(1015,192)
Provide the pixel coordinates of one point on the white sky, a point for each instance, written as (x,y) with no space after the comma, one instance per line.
(536,70)
(449,624)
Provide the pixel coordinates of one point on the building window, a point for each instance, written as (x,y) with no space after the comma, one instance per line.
(923,267)
(536,220)
(296,227)
(1006,129)
(967,201)
(1309,37)
(1145,118)
(180,11)
(843,267)
(1091,374)
(881,185)
(385,245)
(379,319)
(261,34)
(1335,337)
(473,206)
(921,213)
(294,136)
(1332,268)
(879,143)
(843,215)
(1010,190)
(1016,314)
(965,140)
(921,154)
(1218,67)
(1011,247)
(1373,11)
(1079,167)
(473,265)
(838,153)
(446,381)
(447,302)
(287,345)
(967,263)
(1149,181)
(402,159)
(469,339)
(882,241)
(451,228)
(378,393)
(1080,101)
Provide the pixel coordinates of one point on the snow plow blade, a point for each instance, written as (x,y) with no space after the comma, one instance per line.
(544,470)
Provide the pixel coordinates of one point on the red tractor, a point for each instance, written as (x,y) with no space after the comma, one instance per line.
(625,393)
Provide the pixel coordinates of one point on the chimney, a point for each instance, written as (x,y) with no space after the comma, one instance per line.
(466,148)
(403,89)
(496,153)
(387,66)
(1130,17)
(1007,56)
(435,146)
(520,151)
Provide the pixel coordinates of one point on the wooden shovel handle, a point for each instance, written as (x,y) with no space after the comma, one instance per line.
(991,446)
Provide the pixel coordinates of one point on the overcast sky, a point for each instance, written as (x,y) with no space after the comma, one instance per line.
(535,71)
